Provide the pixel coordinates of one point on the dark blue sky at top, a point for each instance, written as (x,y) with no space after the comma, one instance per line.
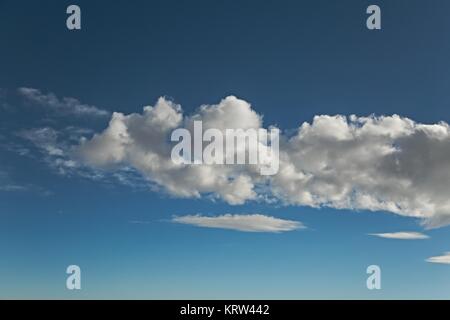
(291,60)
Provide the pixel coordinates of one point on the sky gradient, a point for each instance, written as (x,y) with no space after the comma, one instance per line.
(292,61)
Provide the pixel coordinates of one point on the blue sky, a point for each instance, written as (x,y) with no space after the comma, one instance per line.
(292,60)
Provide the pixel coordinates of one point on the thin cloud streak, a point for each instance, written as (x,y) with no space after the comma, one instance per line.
(241,222)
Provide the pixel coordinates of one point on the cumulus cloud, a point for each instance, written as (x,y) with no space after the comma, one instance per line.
(142,141)
(241,222)
(402,235)
(386,163)
(377,163)
(443,259)
(65,105)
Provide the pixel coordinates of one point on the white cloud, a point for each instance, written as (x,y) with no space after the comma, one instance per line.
(402,235)
(443,259)
(242,222)
(65,105)
(386,163)
(141,140)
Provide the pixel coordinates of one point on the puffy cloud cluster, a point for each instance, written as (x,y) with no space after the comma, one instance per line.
(384,163)
(143,141)
(387,163)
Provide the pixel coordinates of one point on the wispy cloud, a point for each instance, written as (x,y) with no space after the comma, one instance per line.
(241,222)
(139,222)
(64,105)
(12,187)
(443,259)
(7,184)
(401,235)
